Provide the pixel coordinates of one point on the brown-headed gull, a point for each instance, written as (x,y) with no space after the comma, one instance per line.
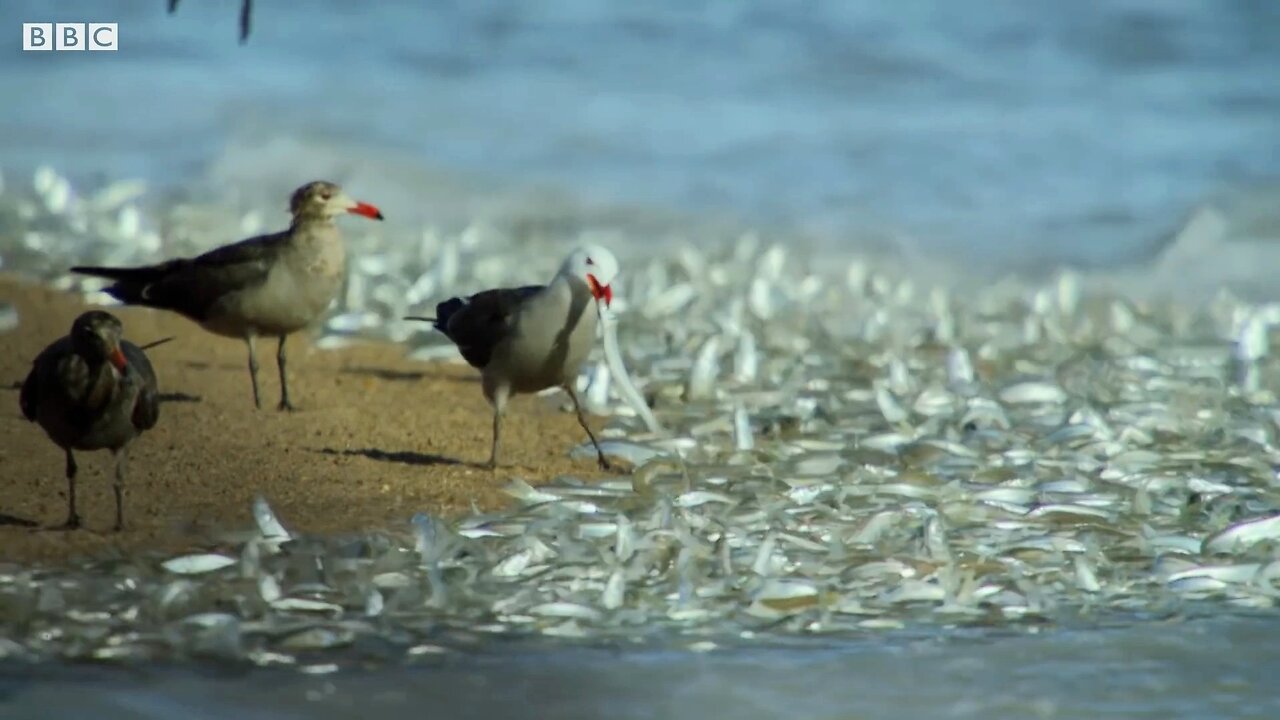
(272,285)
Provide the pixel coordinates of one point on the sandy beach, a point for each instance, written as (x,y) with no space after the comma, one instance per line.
(376,438)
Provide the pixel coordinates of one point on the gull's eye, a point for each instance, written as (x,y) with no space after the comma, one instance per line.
(590,261)
(326,195)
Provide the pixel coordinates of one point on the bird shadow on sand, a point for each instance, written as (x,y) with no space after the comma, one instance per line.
(391,375)
(202,365)
(405,457)
(15,521)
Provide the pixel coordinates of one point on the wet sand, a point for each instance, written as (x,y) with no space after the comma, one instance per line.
(377,437)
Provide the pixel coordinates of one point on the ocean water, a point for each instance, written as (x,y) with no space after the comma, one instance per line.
(1171,670)
(1014,132)
(1002,134)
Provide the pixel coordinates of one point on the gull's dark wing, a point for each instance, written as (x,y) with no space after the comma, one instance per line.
(146,411)
(29,396)
(191,286)
(478,323)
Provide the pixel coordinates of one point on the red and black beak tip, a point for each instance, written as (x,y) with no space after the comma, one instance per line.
(367,210)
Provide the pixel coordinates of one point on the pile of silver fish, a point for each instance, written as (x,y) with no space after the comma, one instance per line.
(842,450)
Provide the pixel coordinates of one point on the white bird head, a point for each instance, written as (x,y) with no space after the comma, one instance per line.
(596,267)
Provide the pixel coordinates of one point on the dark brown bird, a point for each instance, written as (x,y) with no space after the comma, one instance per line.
(92,390)
(272,285)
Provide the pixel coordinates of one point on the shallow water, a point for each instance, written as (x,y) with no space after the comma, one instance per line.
(1017,132)
(1208,668)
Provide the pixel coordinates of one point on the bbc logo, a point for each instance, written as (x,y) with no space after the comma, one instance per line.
(69,36)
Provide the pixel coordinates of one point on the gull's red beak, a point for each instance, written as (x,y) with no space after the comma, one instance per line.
(598,291)
(366,210)
(117,359)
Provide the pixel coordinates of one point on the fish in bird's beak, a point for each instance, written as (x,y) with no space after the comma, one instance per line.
(116,358)
(365,209)
(598,291)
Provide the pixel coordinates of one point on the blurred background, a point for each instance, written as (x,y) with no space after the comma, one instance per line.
(1013,132)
